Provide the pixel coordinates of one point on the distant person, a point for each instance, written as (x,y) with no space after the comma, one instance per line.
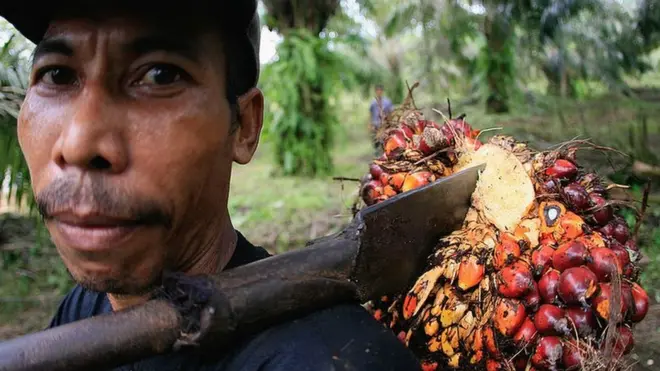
(380,107)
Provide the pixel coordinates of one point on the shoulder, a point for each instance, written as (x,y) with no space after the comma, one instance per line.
(78,304)
(343,337)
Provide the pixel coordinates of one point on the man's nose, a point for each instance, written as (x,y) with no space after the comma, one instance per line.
(92,138)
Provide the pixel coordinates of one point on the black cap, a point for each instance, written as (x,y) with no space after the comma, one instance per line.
(239,18)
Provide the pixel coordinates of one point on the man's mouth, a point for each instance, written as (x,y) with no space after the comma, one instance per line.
(93,232)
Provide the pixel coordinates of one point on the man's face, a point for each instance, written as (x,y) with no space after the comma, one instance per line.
(379,92)
(126,131)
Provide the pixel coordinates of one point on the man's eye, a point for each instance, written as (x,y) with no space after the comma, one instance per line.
(161,75)
(59,76)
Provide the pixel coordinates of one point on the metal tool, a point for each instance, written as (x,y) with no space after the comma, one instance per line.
(382,251)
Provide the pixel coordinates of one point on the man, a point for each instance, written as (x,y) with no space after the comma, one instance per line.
(380,107)
(133,117)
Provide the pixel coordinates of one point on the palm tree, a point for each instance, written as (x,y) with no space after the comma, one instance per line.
(13,81)
(303,82)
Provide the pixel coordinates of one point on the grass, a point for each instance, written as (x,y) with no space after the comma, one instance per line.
(282,213)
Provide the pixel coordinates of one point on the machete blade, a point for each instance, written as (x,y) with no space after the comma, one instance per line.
(398,234)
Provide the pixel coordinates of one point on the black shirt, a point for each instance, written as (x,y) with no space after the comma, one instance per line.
(344,337)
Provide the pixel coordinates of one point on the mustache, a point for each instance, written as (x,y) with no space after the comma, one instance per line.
(66,194)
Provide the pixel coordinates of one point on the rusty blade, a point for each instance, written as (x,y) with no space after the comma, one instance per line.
(398,234)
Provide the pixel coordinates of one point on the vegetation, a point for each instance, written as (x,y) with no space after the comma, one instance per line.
(13,81)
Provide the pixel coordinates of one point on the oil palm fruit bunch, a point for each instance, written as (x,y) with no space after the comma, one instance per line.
(543,274)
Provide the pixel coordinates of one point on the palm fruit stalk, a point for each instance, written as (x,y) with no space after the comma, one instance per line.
(543,274)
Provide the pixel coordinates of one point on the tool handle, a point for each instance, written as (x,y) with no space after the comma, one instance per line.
(95,343)
(242,302)
(282,287)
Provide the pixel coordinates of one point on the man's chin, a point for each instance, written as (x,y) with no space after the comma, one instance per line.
(116,286)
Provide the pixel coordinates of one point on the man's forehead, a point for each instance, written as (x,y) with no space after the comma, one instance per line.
(123,25)
(137,35)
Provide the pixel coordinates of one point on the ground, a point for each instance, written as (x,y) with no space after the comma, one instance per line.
(283,213)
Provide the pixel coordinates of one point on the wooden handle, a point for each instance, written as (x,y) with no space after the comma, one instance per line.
(96,343)
(242,301)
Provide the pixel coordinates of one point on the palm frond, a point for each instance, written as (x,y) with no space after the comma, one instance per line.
(14,172)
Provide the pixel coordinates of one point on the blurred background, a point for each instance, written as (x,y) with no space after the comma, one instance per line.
(544,71)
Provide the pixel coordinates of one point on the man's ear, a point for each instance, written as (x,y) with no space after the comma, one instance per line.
(246,136)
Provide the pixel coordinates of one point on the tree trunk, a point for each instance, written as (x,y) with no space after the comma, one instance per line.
(499,74)
(312,15)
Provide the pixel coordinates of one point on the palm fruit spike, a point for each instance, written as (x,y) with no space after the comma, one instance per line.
(540,268)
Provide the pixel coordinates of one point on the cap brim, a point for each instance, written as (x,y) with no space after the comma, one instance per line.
(32,21)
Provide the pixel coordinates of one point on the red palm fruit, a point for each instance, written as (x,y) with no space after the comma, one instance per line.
(448,132)
(491,344)
(548,285)
(533,298)
(477,346)
(375,171)
(576,197)
(631,245)
(551,186)
(608,229)
(592,240)
(384,178)
(520,362)
(515,280)
(604,263)
(576,285)
(429,366)
(416,180)
(627,302)
(550,213)
(389,191)
(621,253)
(548,354)
(462,127)
(624,342)
(395,180)
(526,334)
(509,316)
(505,253)
(395,142)
(568,255)
(372,191)
(542,259)
(551,320)
(581,320)
(601,302)
(641,302)
(571,355)
(562,169)
(603,213)
(493,365)
(407,131)
(621,230)
(431,140)
(470,272)
(629,271)
(572,227)
(419,126)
